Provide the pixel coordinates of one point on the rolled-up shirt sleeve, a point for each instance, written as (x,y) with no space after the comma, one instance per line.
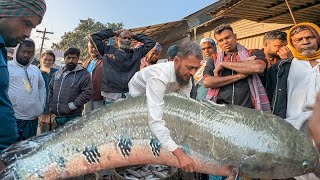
(155,90)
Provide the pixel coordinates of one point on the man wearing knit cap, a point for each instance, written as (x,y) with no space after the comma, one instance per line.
(152,57)
(17,19)
(296,84)
(208,48)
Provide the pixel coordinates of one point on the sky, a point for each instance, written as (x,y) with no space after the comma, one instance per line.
(64,15)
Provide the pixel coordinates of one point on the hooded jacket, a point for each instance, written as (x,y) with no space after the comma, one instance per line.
(69,91)
(27,99)
(8,128)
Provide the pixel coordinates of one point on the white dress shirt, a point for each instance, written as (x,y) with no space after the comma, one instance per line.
(155,81)
(303,85)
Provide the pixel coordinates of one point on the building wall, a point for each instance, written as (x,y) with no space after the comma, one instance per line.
(249,33)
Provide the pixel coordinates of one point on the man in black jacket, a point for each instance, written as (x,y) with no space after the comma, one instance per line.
(120,64)
(69,89)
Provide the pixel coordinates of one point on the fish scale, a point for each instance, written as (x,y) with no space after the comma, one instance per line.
(219,138)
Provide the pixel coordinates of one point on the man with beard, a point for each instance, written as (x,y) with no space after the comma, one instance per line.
(233,75)
(158,79)
(46,67)
(293,85)
(17,19)
(119,64)
(27,91)
(69,89)
(152,57)
(274,47)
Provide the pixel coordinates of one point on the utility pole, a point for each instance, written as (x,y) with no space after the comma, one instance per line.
(43,38)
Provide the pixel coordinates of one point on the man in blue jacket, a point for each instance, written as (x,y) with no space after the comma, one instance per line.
(17,19)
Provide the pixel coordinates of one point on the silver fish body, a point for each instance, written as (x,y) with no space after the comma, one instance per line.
(218,137)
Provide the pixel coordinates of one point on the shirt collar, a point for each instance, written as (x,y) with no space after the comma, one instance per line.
(173,77)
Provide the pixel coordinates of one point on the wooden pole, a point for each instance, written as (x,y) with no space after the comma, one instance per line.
(294,20)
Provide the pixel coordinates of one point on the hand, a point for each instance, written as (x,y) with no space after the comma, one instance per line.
(251,58)
(217,69)
(117,33)
(242,76)
(284,53)
(185,161)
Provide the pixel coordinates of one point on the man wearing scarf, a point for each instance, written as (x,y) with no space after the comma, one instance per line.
(295,86)
(17,19)
(233,75)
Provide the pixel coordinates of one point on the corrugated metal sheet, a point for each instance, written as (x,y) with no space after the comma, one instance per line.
(271,10)
(203,16)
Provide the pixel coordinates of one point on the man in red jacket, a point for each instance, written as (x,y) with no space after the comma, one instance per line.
(94,67)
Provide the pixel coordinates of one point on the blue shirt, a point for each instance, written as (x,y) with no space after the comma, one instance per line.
(8,127)
(91,65)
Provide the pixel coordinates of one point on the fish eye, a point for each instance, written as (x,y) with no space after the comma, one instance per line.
(305,165)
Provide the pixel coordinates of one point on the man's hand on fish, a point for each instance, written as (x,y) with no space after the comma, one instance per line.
(185,161)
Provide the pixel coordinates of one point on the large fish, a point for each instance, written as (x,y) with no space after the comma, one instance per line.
(219,138)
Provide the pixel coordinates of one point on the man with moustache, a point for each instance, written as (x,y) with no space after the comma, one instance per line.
(120,64)
(274,47)
(27,90)
(233,75)
(293,84)
(17,19)
(69,89)
(157,80)
(152,57)
(46,67)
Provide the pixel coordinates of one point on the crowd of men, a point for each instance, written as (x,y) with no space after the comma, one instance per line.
(283,78)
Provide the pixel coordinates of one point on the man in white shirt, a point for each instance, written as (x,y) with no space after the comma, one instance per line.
(157,80)
(303,82)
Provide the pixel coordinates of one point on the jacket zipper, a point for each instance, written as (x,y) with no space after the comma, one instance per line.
(59,94)
(276,89)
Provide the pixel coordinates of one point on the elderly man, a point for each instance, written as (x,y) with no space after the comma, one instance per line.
(274,47)
(156,80)
(120,64)
(152,57)
(17,18)
(295,86)
(208,47)
(233,74)
(47,70)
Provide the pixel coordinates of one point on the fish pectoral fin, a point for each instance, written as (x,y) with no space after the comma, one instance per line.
(234,173)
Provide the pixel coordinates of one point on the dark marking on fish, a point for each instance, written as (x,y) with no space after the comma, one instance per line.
(75,150)
(155,146)
(125,146)
(92,154)
(61,162)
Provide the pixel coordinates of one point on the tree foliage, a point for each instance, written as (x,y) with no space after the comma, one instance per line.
(77,37)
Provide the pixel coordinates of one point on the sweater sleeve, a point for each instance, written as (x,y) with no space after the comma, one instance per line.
(86,91)
(148,43)
(99,39)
